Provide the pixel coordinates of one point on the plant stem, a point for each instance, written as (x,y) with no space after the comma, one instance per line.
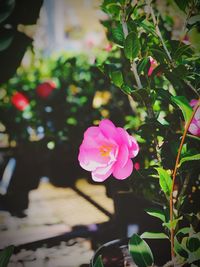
(133,65)
(138,82)
(174,177)
(158,32)
(135,73)
(192,88)
(157,29)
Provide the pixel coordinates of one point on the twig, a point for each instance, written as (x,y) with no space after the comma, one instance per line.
(174,177)
(183,189)
(135,73)
(133,65)
(192,88)
(158,32)
(157,29)
(138,82)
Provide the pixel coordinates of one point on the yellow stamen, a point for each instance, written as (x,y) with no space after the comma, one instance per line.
(105,150)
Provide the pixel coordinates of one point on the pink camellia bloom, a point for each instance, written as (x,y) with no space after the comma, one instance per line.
(107,149)
(195,124)
(153,65)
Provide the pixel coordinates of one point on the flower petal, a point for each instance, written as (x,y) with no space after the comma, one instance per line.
(123,156)
(123,173)
(134,149)
(90,159)
(130,141)
(101,174)
(108,129)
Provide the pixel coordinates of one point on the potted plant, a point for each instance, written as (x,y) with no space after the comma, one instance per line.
(156,69)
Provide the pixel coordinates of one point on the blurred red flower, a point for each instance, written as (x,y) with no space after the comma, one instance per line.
(45,89)
(20,101)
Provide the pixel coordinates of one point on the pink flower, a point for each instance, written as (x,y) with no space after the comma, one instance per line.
(107,150)
(153,65)
(195,124)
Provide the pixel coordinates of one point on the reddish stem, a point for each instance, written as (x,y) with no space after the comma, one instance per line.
(174,177)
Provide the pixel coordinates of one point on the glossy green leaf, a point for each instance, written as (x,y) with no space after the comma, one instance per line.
(165,181)
(153,235)
(183,231)
(118,35)
(99,262)
(184,105)
(140,251)
(193,242)
(117,78)
(142,65)
(156,213)
(6,8)
(189,158)
(131,46)
(179,249)
(147,26)
(5,256)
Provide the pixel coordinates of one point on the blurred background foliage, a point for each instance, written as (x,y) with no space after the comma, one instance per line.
(61,95)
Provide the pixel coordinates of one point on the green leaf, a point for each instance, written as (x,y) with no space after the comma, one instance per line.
(142,64)
(184,105)
(183,231)
(181,50)
(194,19)
(118,35)
(153,235)
(6,9)
(131,46)
(5,256)
(165,181)
(181,71)
(172,224)
(156,213)
(159,54)
(126,89)
(189,158)
(117,78)
(182,4)
(179,249)
(147,26)
(140,251)
(99,262)
(141,95)
(114,10)
(6,38)
(193,242)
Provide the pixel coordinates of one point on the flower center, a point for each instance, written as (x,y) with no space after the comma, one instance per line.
(105,150)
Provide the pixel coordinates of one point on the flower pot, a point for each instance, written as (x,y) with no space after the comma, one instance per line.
(115,253)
